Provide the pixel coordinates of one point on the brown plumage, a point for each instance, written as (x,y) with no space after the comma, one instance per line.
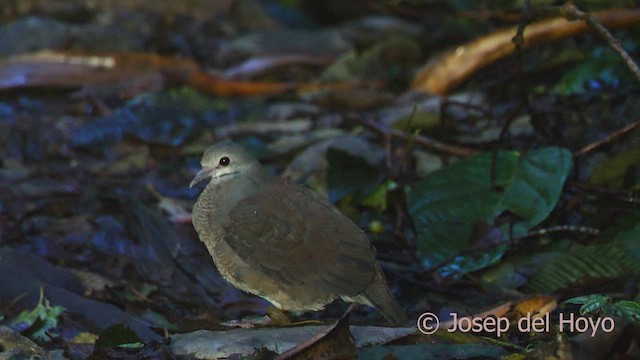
(281,241)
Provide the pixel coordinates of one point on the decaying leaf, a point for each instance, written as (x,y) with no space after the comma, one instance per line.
(448,69)
(130,73)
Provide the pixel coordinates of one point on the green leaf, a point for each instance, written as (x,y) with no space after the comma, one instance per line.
(580,264)
(629,310)
(615,255)
(471,262)
(40,319)
(449,205)
(535,185)
(589,302)
(378,197)
(626,235)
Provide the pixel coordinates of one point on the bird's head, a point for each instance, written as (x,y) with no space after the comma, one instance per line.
(226,161)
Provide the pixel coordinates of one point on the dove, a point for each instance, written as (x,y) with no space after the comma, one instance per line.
(282,241)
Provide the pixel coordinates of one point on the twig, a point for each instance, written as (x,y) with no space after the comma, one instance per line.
(571,12)
(518,39)
(419,139)
(560,229)
(625,196)
(609,138)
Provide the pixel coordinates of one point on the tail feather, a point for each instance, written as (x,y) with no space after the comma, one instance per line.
(378,295)
(388,307)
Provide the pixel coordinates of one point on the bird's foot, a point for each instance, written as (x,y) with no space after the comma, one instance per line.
(279,318)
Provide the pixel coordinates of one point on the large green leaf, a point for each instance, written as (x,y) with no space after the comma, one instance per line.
(579,265)
(615,255)
(451,204)
(626,235)
(594,303)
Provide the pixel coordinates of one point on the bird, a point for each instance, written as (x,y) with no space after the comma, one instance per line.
(282,241)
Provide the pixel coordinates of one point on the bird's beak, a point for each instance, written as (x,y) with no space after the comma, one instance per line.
(201,175)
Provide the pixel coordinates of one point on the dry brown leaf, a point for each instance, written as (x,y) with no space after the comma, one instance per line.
(535,306)
(497,312)
(297,126)
(447,70)
(336,342)
(130,72)
(260,65)
(200,10)
(176,209)
(218,86)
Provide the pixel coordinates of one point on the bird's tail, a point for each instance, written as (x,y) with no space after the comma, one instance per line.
(379,296)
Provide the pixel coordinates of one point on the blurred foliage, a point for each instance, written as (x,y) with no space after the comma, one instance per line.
(626,309)
(351,175)
(171,117)
(118,335)
(616,254)
(377,199)
(433,351)
(602,67)
(460,207)
(580,265)
(482,216)
(390,60)
(515,5)
(418,120)
(618,171)
(39,322)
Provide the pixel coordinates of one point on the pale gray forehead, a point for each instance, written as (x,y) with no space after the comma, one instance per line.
(233,151)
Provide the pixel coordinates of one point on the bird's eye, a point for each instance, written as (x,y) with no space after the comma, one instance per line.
(224,161)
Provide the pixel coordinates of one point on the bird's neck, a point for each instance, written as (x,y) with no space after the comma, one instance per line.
(222,195)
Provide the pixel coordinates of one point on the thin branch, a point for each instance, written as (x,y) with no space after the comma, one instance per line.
(584,230)
(571,12)
(419,139)
(608,139)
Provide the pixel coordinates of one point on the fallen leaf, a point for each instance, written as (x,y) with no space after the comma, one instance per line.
(216,85)
(535,306)
(260,65)
(204,344)
(130,73)
(449,69)
(336,342)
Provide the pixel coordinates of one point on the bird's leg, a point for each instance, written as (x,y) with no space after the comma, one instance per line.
(279,318)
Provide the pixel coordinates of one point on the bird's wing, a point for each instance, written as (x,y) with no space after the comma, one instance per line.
(293,235)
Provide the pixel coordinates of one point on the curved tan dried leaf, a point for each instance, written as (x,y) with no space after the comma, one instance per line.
(449,69)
